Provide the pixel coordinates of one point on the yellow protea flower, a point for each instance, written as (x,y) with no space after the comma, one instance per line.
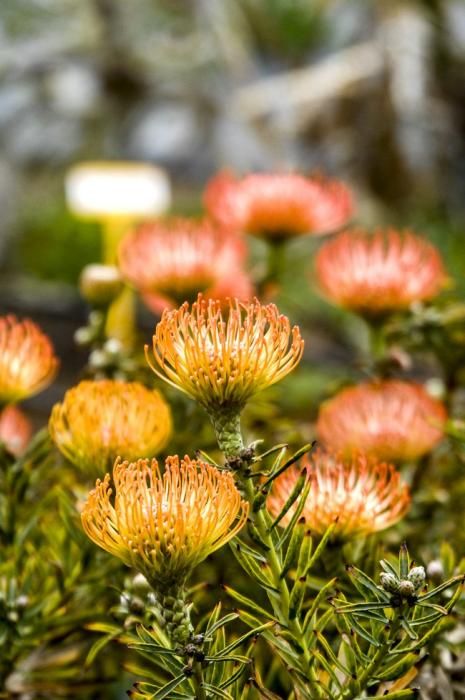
(163,525)
(222,358)
(98,421)
(27,359)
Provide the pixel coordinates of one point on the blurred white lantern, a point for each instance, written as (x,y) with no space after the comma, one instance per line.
(103,190)
(117,194)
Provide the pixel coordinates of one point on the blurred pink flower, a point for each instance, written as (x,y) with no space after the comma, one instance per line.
(361,496)
(277,206)
(380,272)
(391,419)
(172,261)
(15,430)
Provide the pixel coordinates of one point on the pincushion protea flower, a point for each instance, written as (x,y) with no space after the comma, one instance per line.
(164,525)
(380,272)
(278,206)
(98,421)
(27,360)
(171,262)
(393,420)
(15,430)
(222,358)
(361,496)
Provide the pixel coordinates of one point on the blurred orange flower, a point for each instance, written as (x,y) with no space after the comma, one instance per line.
(99,421)
(380,272)
(221,357)
(362,496)
(15,430)
(392,419)
(278,206)
(27,360)
(164,524)
(171,262)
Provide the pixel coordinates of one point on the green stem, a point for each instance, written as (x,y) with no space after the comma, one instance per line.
(275,264)
(200,693)
(282,608)
(377,339)
(360,683)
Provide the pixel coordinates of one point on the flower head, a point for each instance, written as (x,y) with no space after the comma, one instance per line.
(393,420)
(380,272)
(361,496)
(15,430)
(222,358)
(277,206)
(164,524)
(171,262)
(27,360)
(98,421)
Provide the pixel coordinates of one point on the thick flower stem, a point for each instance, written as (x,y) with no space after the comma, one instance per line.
(279,582)
(174,612)
(200,693)
(228,431)
(227,425)
(359,684)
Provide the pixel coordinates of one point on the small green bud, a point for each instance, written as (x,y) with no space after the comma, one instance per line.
(406,588)
(417,576)
(100,284)
(389,582)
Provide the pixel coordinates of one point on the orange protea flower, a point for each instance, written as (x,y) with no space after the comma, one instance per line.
(222,358)
(164,524)
(362,496)
(278,206)
(393,420)
(98,421)
(380,272)
(27,360)
(15,430)
(172,262)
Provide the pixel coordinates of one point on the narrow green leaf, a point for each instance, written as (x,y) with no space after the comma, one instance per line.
(243,600)
(442,587)
(289,529)
(404,561)
(397,669)
(297,596)
(98,646)
(295,457)
(220,623)
(293,549)
(294,495)
(217,692)
(237,642)
(321,547)
(166,690)
(314,606)
(251,567)
(362,580)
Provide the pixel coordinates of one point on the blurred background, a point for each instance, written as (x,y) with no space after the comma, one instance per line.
(372,92)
